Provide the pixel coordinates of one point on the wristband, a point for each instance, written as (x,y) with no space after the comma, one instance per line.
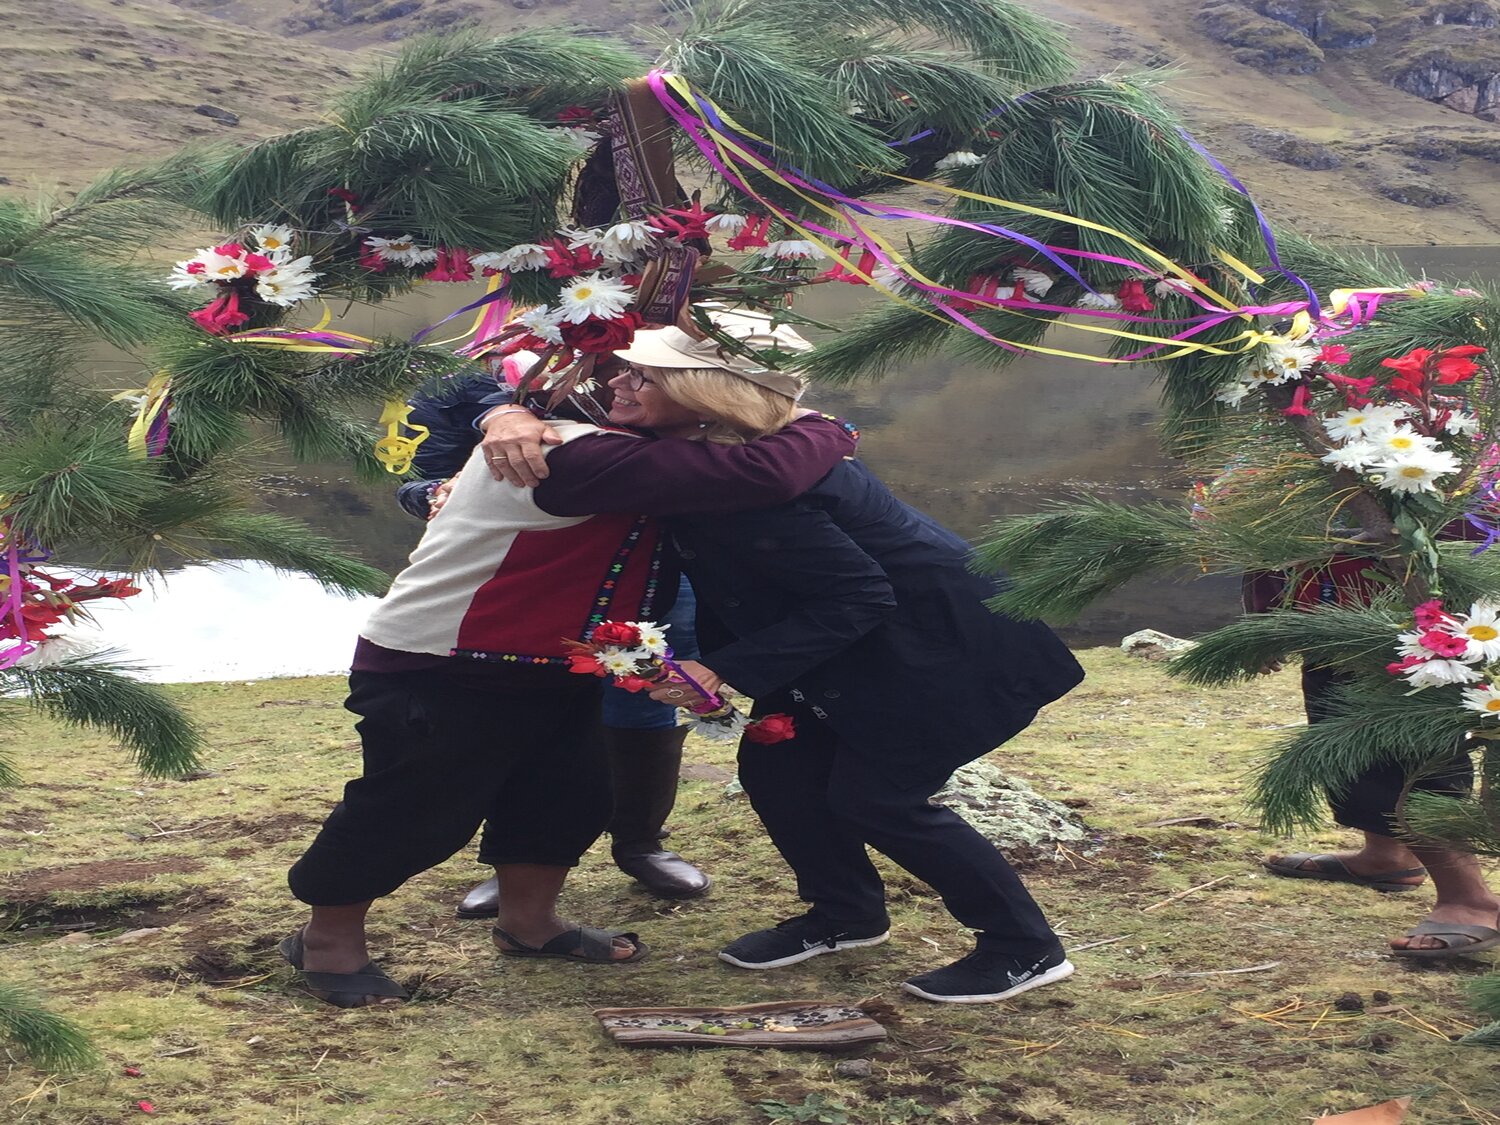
(507,408)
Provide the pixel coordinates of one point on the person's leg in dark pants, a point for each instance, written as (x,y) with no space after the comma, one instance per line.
(788,786)
(941,848)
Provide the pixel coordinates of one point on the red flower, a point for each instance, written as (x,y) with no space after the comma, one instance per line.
(771,728)
(596,335)
(1430,614)
(372,262)
(258,263)
(575,115)
(230,250)
(684,223)
(1299,403)
(145,1107)
(1335,354)
(1454,365)
(1412,365)
(1444,644)
(344,194)
(195,267)
(1403,664)
(452,265)
(220,315)
(1133,297)
(633,683)
(585,665)
(616,633)
(752,235)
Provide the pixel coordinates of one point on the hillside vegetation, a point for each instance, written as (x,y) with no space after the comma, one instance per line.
(1332,148)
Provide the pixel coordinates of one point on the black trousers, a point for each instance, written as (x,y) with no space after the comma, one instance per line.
(444,752)
(1370,802)
(822,802)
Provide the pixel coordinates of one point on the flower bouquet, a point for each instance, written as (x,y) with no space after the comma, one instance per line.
(637,656)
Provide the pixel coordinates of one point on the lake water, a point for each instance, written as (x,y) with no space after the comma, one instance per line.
(967,444)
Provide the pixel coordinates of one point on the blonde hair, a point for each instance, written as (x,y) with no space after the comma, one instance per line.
(741,410)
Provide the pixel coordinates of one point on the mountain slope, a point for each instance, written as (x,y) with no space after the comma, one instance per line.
(1337,152)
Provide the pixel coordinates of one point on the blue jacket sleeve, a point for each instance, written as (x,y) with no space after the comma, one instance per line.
(836,593)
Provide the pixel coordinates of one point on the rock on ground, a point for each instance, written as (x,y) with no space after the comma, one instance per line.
(1007,811)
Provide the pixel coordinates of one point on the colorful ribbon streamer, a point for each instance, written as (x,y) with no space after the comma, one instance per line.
(395,451)
(147,436)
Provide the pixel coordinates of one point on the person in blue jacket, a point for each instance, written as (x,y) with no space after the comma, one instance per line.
(644,741)
(859,617)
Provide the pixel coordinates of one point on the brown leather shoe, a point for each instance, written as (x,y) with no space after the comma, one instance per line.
(481,902)
(663,873)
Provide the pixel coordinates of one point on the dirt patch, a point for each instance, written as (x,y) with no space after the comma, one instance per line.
(39,885)
(276,829)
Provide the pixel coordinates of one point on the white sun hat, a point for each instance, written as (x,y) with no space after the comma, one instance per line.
(672,347)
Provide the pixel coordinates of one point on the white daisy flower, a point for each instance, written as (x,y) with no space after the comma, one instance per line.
(273,238)
(1439,673)
(286,284)
(1290,356)
(891,278)
(180,278)
(1482,630)
(726,222)
(1462,424)
(1037,283)
(653,636)
(1098,301)
(1484,699)
(580,236)
(1232,394)
(402,250)
(1357,455)
(1416,473)
(525,256)
(624,242)
(620,661)
(962,158)
(1362,422)
(489,260)
(220,267)
(792,250)
(594,295)
(542,322)
(1402,443)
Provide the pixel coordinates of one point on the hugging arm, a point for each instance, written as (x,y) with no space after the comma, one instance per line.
(613,472)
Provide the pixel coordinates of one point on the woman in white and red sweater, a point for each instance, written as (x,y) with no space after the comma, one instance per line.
(471,641)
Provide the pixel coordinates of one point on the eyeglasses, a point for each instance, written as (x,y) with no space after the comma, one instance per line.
(635,378)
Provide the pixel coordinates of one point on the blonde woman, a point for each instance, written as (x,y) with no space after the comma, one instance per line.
(858,616)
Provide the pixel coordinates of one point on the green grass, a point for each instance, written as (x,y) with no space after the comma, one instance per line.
(206,1010)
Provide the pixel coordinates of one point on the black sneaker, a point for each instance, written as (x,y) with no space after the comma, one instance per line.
(985,976)
(799,938)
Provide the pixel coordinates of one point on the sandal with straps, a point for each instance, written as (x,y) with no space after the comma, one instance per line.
(342,990)
(585,943)
(1332,869)
(1459,938)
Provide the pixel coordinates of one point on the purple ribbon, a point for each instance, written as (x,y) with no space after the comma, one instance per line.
(498,294)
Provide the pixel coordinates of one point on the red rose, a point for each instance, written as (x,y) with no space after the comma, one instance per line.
(616,633)
(596,335)
(771,728)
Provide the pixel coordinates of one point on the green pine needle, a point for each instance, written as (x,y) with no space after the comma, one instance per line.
(98,691)
(52,1042)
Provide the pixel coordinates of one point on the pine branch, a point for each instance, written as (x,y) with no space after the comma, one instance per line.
(1487,1036)
(288,546)
(1326,635)
(73,483)
(1484,994)
(52,1042)
(1462,823)
(1062,559)
(97,691)
(1373,722)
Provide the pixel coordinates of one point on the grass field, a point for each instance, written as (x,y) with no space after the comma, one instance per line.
(91,856)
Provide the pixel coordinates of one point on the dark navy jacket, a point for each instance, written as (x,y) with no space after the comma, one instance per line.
(866,611)
(449,416)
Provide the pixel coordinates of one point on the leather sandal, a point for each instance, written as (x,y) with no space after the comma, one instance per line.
(585,943)
(1331,869)
(342,990)
(1459,938)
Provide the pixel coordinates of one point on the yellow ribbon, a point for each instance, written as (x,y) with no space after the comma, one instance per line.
(727,148)
(395,451)
(153,400)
